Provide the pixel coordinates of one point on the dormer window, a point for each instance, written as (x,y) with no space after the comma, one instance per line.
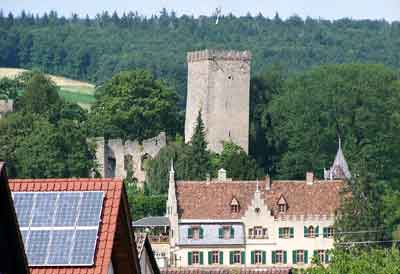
(235,207)
(282,205)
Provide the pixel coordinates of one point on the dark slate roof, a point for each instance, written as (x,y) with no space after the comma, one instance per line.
(151,222)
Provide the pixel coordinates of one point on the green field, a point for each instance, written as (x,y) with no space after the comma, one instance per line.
(71,95)
(71,90)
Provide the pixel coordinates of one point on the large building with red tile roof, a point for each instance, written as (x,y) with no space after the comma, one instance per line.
(251,224)
(114,244)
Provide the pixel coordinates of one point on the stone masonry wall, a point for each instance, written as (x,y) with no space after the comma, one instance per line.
(219,85)
(115,157)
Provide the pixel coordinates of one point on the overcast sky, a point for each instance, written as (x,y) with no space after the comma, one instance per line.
(328,9)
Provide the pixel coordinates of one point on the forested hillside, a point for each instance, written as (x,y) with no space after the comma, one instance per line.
(95,49)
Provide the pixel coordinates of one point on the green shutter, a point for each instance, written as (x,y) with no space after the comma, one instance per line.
(221,257)
(285,257)
(273,257)
(306,256)
(201,233)
(190,233)
(317,231)
(190,258)
(232,232)
(230,257)
(252,257)
(243,257)
(280,232)
(328,256)
(264,257)
(220,233)
(315,256)
(209,257)
(291,231)
(325,232)
(201,258)
(305,231)
(294,257)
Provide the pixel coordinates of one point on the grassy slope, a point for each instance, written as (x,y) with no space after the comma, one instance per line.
(71,90)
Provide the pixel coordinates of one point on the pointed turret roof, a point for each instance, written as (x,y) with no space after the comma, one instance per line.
(339,168)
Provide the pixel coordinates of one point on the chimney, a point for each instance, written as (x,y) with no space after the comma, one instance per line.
(222,175)
(310,178)
(267,183)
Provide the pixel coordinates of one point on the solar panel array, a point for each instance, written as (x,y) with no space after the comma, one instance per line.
(59,228)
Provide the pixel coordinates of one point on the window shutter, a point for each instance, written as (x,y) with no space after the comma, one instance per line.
(328,256)
(325,232)
(305,231)
(190,233)
(190,258)
(294,259)
(221,257)
(273,257)
(243,257)
(201,233)
(252,257)
(209,257)
(201,258)
(220,233)
(306,256)
(315,254)
(317,231)
(291,230)
(230,257)
(232,232)
(285,257)
(281,232)
(264,257)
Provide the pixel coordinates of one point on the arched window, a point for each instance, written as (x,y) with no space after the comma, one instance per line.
(235,207)
(311,231)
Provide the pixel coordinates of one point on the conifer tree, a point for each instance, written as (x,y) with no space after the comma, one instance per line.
(197,152)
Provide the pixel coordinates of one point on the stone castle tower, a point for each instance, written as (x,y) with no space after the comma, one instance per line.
(219,85)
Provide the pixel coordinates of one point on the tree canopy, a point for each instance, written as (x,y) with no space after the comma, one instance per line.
(134,105)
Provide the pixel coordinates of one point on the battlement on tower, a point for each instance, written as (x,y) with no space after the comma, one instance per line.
(218,54)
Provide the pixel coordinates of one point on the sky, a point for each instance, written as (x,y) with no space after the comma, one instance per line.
(332,9)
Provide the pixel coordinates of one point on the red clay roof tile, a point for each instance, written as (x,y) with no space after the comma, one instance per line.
(107,227)
(211,200)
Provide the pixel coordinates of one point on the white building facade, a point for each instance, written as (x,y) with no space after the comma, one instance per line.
(265,223)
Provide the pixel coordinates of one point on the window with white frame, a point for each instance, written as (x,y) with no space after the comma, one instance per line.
(279,257)
(311,231)
(321,255)
(330,232)
(195,257)
(236,257)
(300,256)
(285,232)
(257,257)
(215,257)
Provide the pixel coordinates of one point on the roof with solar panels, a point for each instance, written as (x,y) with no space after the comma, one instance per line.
(75,225)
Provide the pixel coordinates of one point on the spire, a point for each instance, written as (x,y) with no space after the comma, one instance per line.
(172,166)
(172,173)
(339,168)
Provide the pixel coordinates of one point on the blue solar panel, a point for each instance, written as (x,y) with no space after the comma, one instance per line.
(59,228)
(84,246)
(67,209)
(43,211)
(23,207)
(90,209)
(60,247)
(37,246)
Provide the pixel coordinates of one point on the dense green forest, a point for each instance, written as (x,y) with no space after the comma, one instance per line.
(94,49)
(312,81)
